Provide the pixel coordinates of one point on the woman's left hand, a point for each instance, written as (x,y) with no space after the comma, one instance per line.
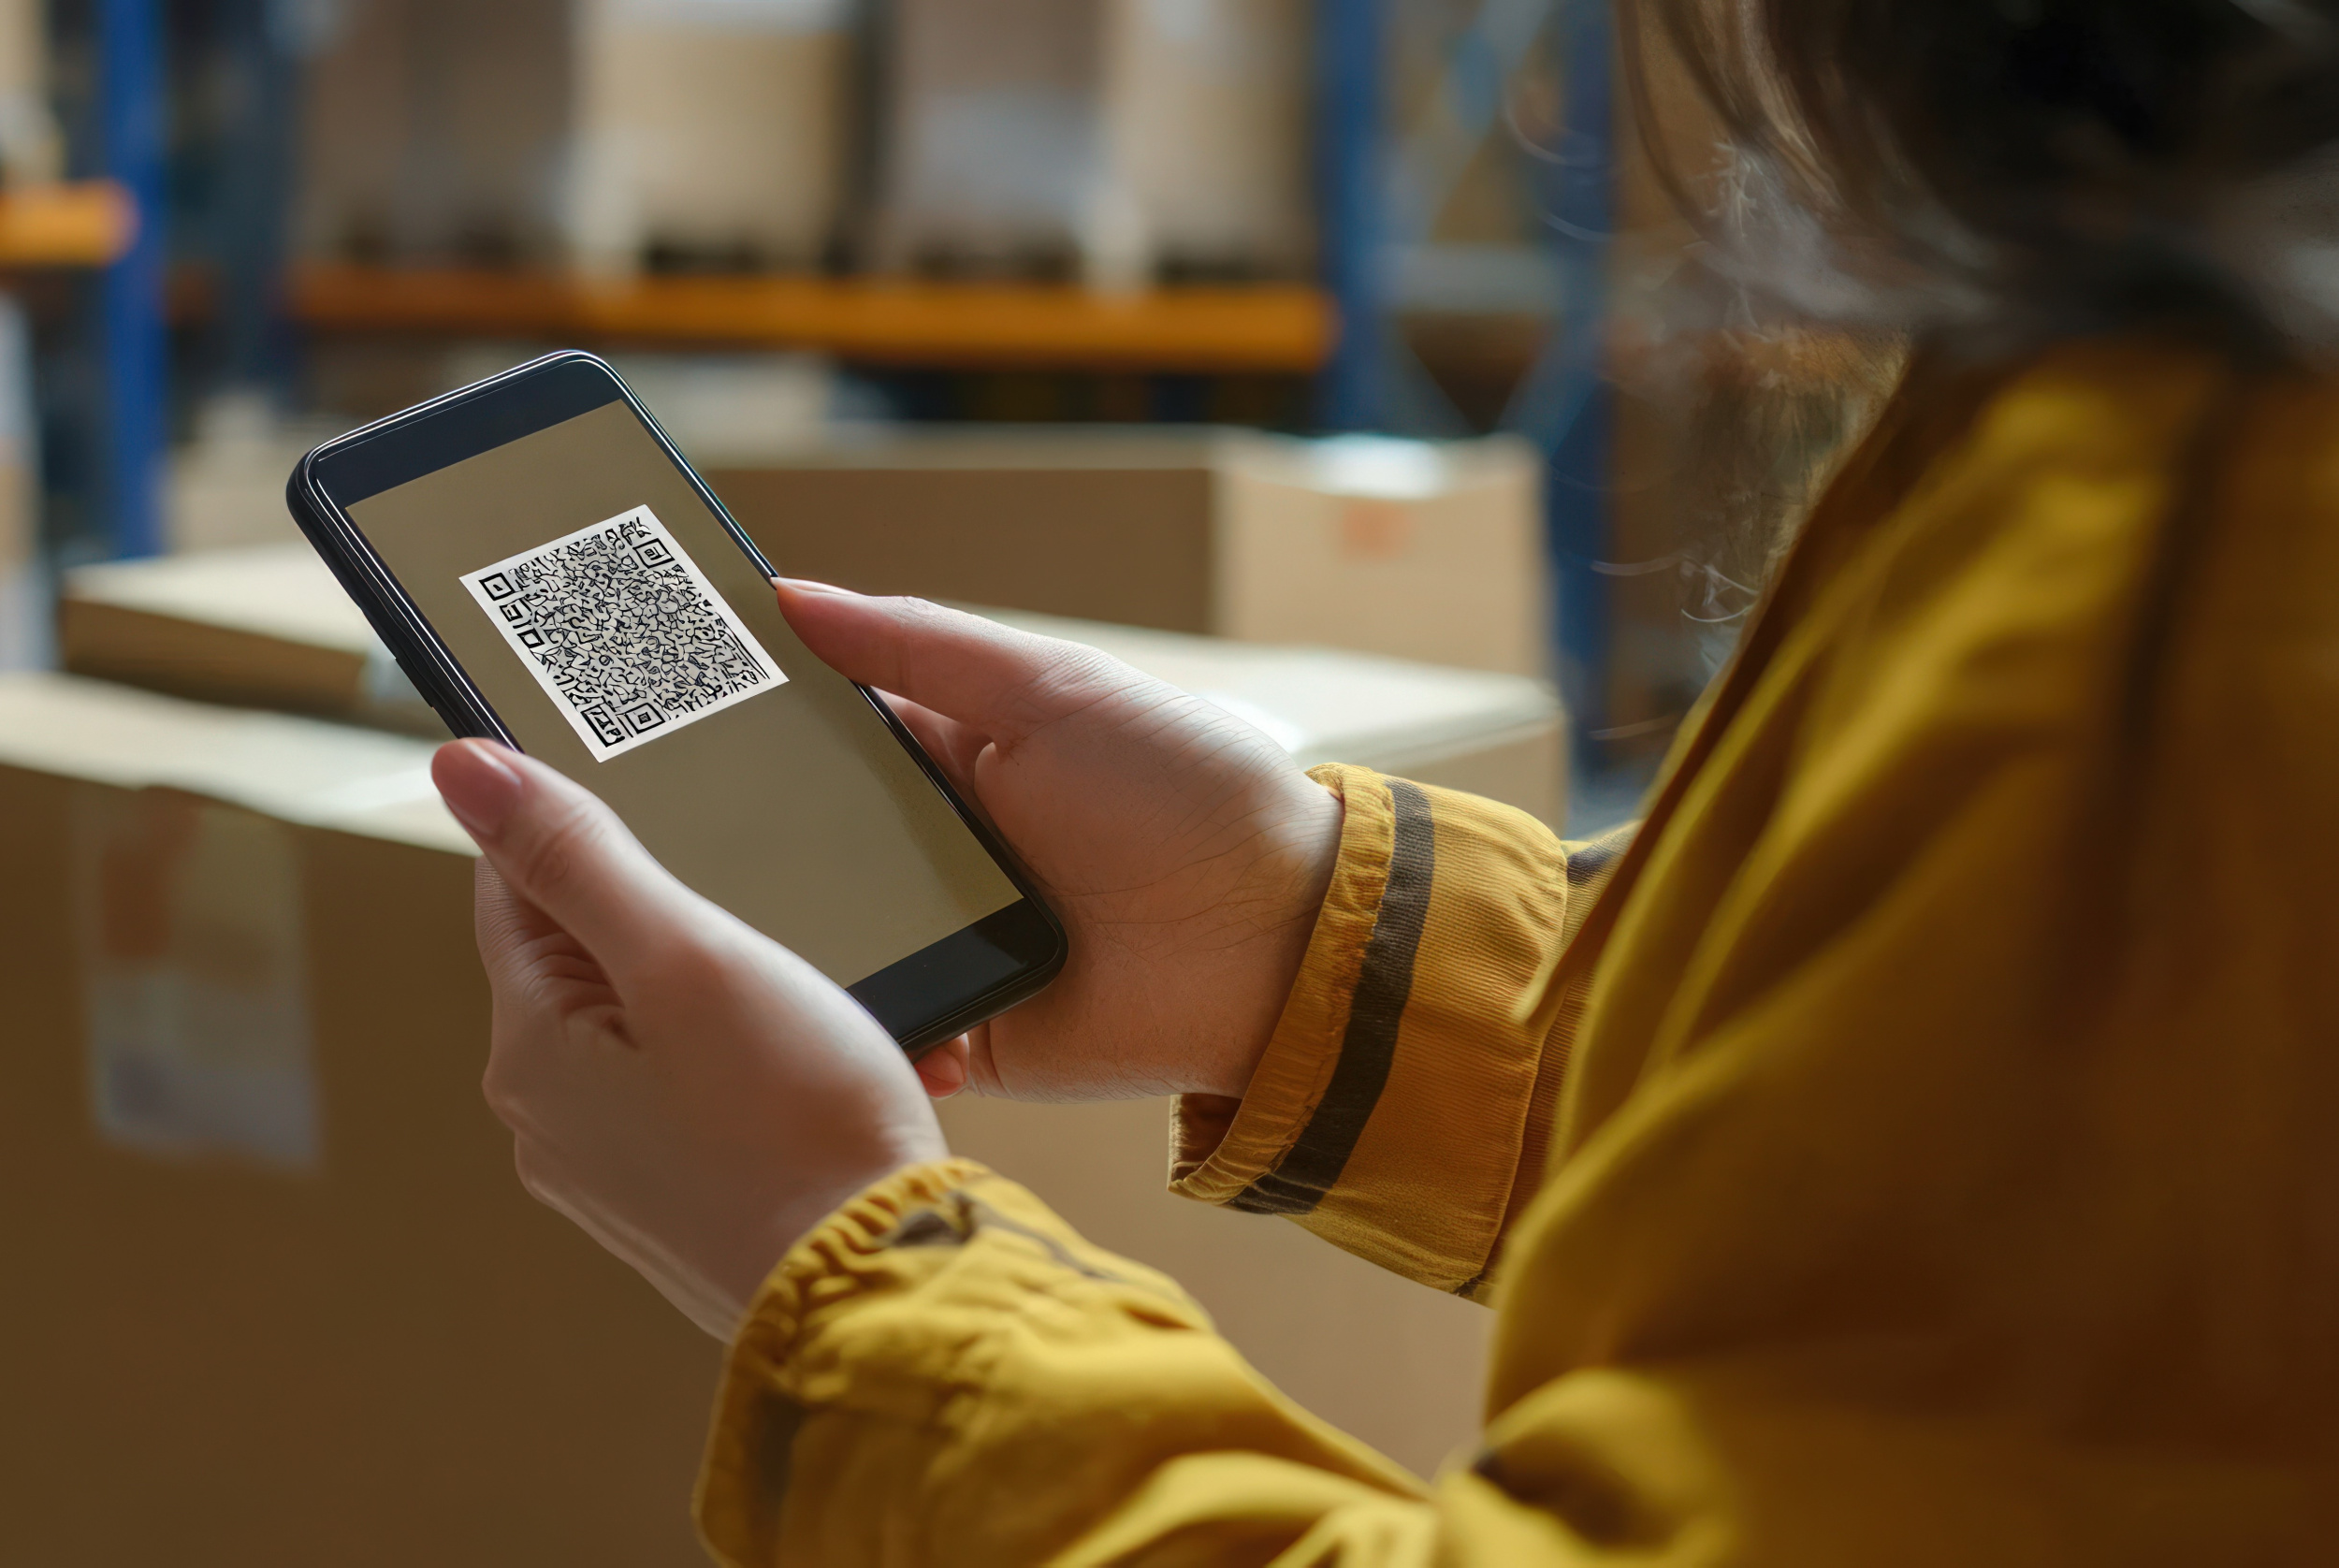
(688,1091)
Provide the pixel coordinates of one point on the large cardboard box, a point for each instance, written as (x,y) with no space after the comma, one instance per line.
(276,1295)
(273,1296)
(269,627)
(1423,550)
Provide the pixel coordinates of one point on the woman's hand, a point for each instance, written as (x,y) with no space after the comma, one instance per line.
(689,1092)
(1186,853)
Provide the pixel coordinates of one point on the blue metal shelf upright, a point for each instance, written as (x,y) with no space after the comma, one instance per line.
(1380,192)
(134,350)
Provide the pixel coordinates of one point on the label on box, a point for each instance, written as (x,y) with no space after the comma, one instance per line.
(194,979)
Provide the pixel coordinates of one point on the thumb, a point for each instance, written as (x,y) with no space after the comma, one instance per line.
(558,848)
(1002,682)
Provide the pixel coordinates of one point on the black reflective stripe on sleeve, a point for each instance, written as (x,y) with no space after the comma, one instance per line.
(1313,1165)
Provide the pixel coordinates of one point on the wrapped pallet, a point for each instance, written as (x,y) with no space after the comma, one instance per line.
(607,134)
(1123,138)
(707,131)
(436,131)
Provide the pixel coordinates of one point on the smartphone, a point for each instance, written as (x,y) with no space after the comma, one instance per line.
(551,574)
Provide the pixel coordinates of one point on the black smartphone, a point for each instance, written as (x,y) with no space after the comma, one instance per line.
(551,574)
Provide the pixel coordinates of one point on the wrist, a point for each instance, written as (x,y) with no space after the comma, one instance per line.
(1302,866)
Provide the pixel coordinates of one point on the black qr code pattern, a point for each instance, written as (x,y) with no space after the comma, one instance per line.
(621,630)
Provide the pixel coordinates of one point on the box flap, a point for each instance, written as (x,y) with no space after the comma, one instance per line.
(1324,704)
(299,770)
(272,591)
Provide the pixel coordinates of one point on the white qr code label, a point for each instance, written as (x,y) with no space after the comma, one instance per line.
(623,631)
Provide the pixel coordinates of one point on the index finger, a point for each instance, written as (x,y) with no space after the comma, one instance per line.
(1003,682)
(562,850)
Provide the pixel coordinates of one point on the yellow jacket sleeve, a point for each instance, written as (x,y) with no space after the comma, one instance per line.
(1943,1168)
(945,1374)
(1404,1107)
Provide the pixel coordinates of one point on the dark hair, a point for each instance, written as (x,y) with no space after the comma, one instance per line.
(2063,160)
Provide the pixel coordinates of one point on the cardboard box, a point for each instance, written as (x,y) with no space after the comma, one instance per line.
(275,1296)
(1421,550)
(270,628)
(265,626)
(1127,138)
(279,1296)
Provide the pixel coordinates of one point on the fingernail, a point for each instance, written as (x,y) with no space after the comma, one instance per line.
(478,785)
(804,584)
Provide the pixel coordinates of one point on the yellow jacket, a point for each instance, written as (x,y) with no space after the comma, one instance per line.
(1926,1150)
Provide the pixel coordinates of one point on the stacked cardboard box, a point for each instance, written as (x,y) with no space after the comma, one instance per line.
(289,1284)
(1420,550)
(269,627)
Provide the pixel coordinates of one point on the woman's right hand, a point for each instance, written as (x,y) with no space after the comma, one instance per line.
(1186,853)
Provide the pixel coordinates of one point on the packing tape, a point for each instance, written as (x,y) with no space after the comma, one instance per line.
(188,931)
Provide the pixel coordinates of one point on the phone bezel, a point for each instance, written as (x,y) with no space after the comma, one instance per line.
(1039,944)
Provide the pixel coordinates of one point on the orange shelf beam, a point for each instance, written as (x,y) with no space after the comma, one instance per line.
(88,223)
(1269,328)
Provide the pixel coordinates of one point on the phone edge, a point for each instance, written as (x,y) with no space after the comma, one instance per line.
(466,712)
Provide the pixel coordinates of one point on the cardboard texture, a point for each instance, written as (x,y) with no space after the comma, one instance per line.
(1127,137)
(275,1295)
(1424,551)
(265,626)
(269,627)
(280,1297)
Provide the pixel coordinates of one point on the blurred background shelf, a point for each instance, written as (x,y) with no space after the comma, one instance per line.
(1263,328)
(86,222)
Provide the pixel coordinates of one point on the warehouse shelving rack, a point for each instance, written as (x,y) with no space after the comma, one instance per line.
(1374,199)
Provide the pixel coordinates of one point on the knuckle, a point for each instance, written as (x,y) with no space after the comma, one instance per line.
(499,1085)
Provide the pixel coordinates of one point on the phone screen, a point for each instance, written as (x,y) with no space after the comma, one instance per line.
(624,637)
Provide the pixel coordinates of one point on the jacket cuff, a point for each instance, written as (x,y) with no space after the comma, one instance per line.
(1220,1148)
(847,1258)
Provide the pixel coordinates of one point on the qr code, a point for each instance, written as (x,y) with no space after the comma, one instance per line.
(623,631)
